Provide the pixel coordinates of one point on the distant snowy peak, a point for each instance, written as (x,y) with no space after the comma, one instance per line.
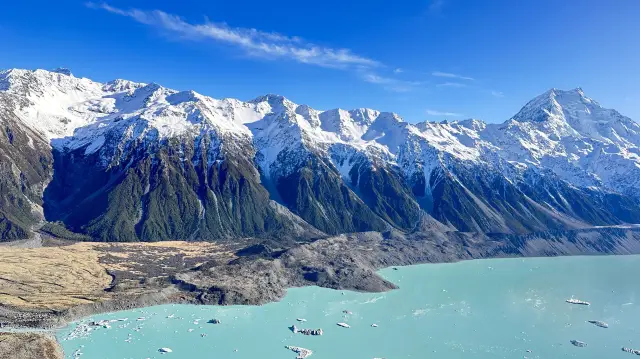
(572,114)
(570,106)
(552,104)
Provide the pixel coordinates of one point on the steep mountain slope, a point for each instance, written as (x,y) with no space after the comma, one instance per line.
(25,170)
(135,161)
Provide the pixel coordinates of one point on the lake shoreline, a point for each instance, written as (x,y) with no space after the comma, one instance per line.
(347,262)
(524,298)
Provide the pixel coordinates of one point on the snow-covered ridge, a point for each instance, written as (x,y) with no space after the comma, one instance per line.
(77,112)
(560,131)
(60,103)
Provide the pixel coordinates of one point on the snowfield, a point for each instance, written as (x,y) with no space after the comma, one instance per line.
(560,132)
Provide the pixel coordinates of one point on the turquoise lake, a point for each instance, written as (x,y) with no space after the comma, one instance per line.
(498,308)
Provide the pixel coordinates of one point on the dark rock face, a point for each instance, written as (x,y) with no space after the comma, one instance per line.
(193,188)
(590,206)
(25,169)
(474,198)
(316,193)
(386,192)
(175,193)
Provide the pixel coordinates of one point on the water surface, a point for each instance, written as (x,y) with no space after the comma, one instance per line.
(499,308)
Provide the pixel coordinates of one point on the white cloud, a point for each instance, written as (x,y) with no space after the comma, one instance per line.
(267,45)
(497,93)
(441,113)
(252,41)
(390,83)
(451,75)
(451,84)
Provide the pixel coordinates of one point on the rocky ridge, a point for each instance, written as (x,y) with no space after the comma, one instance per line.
(127,161)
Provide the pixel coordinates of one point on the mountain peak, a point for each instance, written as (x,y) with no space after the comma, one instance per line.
(63,71)
(270,97)
(276,103)
(472,124)
(119,85)
(8,78)
(576,94)
(391,117)
(570,113)
(558,105)
(41,83)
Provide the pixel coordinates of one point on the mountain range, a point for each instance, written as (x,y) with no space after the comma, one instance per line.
(127,161)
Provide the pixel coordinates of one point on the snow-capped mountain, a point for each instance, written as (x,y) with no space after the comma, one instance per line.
(130,161)
(573,136)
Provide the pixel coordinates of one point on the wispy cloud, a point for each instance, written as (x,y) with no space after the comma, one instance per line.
(252,41)
(497,93)
(451,75)
(442,113)
(390,83)
(267,45)
(451,84)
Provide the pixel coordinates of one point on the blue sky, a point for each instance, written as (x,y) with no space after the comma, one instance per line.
(426,60)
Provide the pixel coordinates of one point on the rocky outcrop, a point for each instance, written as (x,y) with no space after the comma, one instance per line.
(351,261)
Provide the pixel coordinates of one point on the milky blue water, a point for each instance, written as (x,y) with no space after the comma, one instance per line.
(498,308)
